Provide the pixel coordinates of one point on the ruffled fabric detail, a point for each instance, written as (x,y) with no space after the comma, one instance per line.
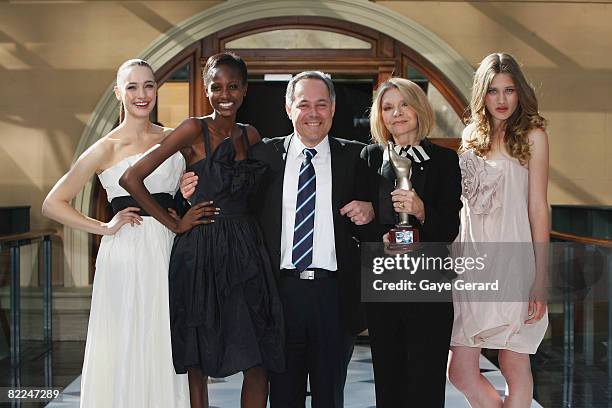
(237,177)
(227,180)
(247,174)
(481,183)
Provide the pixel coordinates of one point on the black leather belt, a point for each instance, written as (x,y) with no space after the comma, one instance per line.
(309,274)
(120,203)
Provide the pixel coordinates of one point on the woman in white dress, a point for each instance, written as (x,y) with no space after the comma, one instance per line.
(128,359)
(504,168)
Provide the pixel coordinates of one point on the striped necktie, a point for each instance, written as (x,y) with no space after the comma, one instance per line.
(303,230)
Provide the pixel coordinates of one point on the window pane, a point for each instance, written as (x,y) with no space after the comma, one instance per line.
(299,39)
(173,98)
(448,123)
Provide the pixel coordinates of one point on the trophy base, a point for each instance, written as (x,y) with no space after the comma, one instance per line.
(403,237)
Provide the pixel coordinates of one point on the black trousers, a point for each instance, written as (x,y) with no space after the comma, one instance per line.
(317,345)
(410,343)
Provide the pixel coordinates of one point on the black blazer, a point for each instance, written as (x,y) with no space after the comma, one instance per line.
(348,172)
(436,181)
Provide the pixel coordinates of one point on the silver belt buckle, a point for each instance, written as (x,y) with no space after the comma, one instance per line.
(307,274)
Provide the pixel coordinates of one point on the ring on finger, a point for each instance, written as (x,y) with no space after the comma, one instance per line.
(401,204)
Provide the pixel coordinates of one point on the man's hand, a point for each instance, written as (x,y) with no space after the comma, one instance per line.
(359,212)
(189,181)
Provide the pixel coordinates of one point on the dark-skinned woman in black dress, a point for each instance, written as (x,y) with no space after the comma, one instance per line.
(225,313)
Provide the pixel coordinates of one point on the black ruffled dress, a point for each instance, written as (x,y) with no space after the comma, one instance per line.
(225,312)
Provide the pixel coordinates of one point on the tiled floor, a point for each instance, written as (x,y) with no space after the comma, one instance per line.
(359,389)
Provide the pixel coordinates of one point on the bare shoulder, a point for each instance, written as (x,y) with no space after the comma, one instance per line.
(537,135)
(192,124)
(111,144)
(165,131)
(190,127)
(538,146)
(160,129)
(253,134)
(538,140)
(100,154)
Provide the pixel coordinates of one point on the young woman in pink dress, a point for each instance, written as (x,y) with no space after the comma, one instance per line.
(504,166)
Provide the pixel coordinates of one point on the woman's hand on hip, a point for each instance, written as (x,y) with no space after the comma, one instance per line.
(199,214)
(129,215)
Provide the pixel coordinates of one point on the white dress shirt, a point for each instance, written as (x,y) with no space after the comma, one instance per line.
(324,247)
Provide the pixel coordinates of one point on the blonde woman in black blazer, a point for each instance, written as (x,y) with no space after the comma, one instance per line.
(410,340)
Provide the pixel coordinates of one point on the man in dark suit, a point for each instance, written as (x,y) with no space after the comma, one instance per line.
(308,207)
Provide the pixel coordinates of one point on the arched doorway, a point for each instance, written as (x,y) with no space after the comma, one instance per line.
(357,57)
(387,44)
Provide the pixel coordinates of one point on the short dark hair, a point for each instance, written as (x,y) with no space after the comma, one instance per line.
(225,58)
(289,94)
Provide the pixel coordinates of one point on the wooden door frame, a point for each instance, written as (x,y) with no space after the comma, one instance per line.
(386,57)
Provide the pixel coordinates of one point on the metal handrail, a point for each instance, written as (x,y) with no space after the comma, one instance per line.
(14,243)
(568,308)
(563,236)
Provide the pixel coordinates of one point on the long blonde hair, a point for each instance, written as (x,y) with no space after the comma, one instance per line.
(414,96)
(525,118)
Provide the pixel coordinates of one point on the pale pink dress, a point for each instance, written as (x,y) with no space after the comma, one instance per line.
(494,218)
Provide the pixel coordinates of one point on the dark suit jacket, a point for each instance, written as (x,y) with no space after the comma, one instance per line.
(436,181)
(348,175)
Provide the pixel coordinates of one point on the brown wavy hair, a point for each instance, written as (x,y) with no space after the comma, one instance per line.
(525,118)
